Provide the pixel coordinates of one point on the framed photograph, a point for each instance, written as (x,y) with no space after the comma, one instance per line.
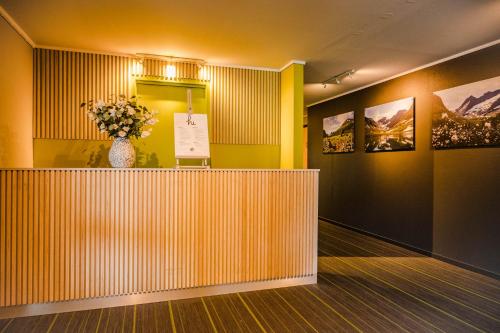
(467,115)
(338,133)
(390,126)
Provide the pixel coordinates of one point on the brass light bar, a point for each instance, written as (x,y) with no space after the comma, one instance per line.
(142,56)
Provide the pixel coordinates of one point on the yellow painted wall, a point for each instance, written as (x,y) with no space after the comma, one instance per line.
(166,99)
(245,156)
(292,109)
(50,153)
(16,99)
(156,151)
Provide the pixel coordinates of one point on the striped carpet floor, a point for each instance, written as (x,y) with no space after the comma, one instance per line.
(364,285)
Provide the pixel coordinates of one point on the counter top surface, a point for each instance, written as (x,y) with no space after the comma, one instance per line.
(158,169)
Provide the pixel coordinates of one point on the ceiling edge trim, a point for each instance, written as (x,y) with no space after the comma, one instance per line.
(10,20)
(291,62)
(457,55)
(69,49)
(119,54)
(257,68)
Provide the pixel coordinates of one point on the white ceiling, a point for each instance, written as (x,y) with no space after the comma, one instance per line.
(379,38)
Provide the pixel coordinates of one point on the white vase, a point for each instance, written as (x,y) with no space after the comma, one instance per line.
(122,153)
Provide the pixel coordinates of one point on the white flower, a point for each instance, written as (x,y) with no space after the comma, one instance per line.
(487,125)
(444,116)
(125,117)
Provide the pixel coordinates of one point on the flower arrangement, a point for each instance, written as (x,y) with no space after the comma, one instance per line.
(121,118)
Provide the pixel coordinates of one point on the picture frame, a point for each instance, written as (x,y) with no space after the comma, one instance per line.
(338,133)
(390,126)
(467,116)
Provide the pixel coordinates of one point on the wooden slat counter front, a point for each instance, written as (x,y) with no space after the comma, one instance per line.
(153,234)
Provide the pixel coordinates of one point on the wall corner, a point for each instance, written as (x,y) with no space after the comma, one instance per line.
(291,116)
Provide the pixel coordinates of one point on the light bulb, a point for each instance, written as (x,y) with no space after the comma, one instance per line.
(171,71)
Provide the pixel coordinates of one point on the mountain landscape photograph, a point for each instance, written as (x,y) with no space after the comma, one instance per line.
(390,126)
(338,133)
(467,115)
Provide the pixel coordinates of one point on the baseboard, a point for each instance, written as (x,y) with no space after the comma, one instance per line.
(385,239)
(454,262)
(153,297)
(464,265)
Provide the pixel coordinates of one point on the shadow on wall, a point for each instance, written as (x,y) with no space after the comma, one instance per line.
(85,154)
(98,158)
(145,160)
(71,154)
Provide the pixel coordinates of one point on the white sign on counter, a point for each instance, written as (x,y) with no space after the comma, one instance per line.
(191,136)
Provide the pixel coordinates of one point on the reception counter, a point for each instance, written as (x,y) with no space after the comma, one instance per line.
(86,238)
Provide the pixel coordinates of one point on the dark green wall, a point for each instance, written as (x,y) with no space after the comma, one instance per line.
(446,202)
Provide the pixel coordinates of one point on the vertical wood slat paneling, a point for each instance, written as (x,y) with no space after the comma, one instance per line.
(65,79)
(244,103)
(76,234)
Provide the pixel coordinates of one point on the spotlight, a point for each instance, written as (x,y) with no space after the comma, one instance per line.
(337,79)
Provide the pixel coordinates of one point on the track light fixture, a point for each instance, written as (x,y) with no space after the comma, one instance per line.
(337,79)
